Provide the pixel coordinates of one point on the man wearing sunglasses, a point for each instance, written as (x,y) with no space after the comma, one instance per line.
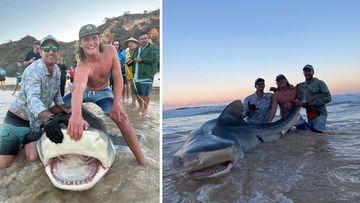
(91,84)
(257,106)
(40,88)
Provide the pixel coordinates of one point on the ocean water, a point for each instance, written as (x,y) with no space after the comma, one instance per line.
(126,181)
(300,167)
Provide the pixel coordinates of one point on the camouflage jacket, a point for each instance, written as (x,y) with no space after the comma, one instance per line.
(314,90)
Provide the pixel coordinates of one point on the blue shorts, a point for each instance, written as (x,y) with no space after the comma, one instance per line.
(318,123)
(18,80)
(103,98)
(143,88)
(13,132)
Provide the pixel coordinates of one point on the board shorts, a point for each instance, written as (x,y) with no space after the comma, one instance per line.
(18,80)
(13,132)
(103,98)
(142,88)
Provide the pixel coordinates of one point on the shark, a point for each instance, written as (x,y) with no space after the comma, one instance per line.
(215,147)
(78,165)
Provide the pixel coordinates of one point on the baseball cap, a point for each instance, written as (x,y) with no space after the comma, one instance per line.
(308,66)
(88,29)
(279,77)
(259,80)
(47,38)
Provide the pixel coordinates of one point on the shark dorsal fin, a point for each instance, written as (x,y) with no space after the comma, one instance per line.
(232,114)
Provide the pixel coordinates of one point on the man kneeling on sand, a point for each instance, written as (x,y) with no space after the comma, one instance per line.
(91,84)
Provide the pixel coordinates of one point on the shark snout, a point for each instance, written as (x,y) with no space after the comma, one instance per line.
(201,153)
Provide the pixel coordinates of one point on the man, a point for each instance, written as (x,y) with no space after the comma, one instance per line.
(40,87)
(257,106)
(145,60)
(132,44)
(316,95)
(33,55)
(285,95)
(19,71)
(91,84)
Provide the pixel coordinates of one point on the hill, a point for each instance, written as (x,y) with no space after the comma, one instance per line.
(121,28)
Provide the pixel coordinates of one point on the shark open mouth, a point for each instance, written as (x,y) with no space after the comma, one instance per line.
(212,171)
(72,169)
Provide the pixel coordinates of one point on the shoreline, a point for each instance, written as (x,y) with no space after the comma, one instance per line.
(10,82)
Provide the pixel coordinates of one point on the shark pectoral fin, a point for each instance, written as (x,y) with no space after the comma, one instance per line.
(283,132)
(260,139)
(232,114)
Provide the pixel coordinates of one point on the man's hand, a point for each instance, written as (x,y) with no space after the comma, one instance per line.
(118,112)
(273,89)
(252,107)
(53,130)
(299,103)
(138,60)
(76,127)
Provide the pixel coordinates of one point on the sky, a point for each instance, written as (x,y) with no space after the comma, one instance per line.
(213,51)
(62,19)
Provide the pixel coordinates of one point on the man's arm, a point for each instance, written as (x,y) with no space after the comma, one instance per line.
(32,86)
(76,122)
(274,104)
(325,96)
(28,59)
(152,57)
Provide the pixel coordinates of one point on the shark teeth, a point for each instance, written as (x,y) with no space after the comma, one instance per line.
(212,171)
(74,169)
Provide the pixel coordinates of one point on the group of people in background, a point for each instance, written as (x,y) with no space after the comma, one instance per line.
(313,95)
(100,75)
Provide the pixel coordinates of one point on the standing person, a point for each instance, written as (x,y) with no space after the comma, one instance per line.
(33,55)
(132,45)
(19,72)
(121,56)
(257,106)
(284,96)
(97,61)
(145,60)
(2,76)
(316,95)
(63,68)
(72,73)
(40,88)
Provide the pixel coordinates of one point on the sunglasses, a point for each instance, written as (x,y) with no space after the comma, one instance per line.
(48,48)
(260,83)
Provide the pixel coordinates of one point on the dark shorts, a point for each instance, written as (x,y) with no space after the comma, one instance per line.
(2,78)
(13,132)
(124,79)
(142,88)
(103,98)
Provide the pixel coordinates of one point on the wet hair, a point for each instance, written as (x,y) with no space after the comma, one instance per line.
(81,52)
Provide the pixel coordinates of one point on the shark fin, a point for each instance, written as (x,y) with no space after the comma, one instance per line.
(232,114)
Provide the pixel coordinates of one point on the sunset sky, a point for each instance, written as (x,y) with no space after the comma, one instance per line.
(62,19)
(214,50)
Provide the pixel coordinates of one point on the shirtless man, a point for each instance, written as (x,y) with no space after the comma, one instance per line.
(91,84)
(284,96)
